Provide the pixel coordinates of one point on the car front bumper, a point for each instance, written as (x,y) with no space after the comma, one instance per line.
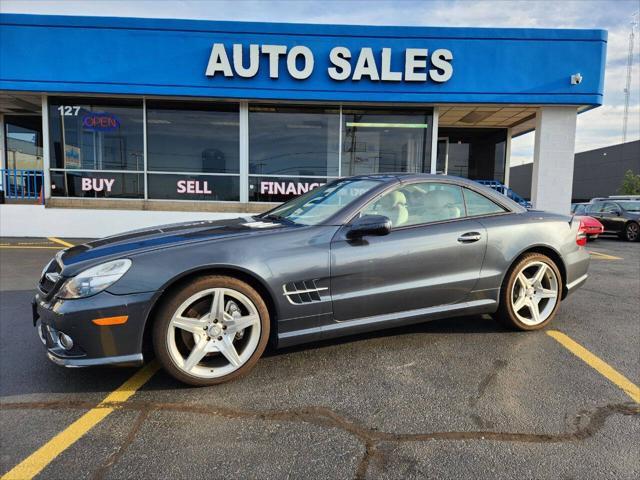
(92,344)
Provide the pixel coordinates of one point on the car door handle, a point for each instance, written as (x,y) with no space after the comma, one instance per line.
(469,237)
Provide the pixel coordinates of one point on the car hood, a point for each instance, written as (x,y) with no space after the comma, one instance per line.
(164,236)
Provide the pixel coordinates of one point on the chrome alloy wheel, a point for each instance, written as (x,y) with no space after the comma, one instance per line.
(535,292)
(632,231)
(213,333)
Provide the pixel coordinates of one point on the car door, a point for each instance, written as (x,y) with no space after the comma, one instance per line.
(610,217)
(432,256)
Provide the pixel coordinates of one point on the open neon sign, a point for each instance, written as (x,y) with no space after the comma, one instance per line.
(100,122)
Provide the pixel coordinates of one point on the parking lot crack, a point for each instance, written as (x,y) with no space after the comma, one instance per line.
(586,423)
(103,469)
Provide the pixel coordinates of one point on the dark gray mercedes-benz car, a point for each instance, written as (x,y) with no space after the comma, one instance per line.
(357,254)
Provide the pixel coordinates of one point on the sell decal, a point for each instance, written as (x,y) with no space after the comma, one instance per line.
(193,186)
(287,188)
(100,122)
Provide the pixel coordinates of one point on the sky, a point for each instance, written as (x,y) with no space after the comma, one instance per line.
(596,128)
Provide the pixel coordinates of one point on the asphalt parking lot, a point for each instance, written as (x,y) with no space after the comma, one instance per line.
(456,398)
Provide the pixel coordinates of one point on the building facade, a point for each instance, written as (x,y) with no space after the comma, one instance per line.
(596,173)
(223,117)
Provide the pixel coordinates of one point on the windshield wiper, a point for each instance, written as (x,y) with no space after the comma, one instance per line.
(278,218)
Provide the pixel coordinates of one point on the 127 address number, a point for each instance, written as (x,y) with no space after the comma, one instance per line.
(68,110)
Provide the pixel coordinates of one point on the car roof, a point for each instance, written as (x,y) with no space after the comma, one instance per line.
(411,177)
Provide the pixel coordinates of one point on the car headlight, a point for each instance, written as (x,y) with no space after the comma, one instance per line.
(95,279)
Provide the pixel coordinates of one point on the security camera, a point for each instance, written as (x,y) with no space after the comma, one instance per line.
(576,79)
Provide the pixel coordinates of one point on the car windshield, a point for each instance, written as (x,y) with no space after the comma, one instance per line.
(321,203)
(631,206)
(580,209)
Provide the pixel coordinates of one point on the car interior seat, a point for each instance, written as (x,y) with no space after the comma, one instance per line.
(394,206)
(440,205)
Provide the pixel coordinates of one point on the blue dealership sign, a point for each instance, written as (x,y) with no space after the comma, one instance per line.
(300,62)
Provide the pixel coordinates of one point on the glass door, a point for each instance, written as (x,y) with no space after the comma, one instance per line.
(442,159)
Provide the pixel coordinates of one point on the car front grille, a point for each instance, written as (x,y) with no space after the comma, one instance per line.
(50,277)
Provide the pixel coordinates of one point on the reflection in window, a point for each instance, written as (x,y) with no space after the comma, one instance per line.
(24,142)
(319,204)
(479,204)
(377,141)
(193,137)
(298,141)
(96,134)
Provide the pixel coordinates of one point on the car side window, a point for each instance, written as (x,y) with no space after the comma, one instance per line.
(419,203)
(594,208)
(479,204)
(580,210)
(610,208)
(606,207)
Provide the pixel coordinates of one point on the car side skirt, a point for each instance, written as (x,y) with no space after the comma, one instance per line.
(390,320)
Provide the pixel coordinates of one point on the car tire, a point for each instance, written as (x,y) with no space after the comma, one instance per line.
(519,316)
(171,342)
(632,232)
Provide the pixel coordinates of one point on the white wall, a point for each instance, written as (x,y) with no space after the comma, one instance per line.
(553,154)
(37,221)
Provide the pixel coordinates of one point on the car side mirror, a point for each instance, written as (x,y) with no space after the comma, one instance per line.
(377,225)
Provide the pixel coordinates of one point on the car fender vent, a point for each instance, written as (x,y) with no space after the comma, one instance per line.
(306,291)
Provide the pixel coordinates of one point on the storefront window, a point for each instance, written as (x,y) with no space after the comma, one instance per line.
(97,147)
(193,138)
(291,150)
(193,148)
(297,141)
(377,141)
(96,134)
(196,137)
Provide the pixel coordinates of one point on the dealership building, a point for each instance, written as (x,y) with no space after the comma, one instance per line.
(115,123)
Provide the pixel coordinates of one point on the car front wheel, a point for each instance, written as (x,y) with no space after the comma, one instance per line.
(212,330)
(530,294)
(632,232)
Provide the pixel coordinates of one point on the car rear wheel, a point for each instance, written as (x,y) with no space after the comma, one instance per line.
(531,292)
(632,232)
(212,330)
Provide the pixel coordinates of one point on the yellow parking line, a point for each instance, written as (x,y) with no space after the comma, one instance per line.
(597,364)
(61,242)
(604,256)
(38,460)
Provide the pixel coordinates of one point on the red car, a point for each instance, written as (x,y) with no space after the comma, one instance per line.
(590,226)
